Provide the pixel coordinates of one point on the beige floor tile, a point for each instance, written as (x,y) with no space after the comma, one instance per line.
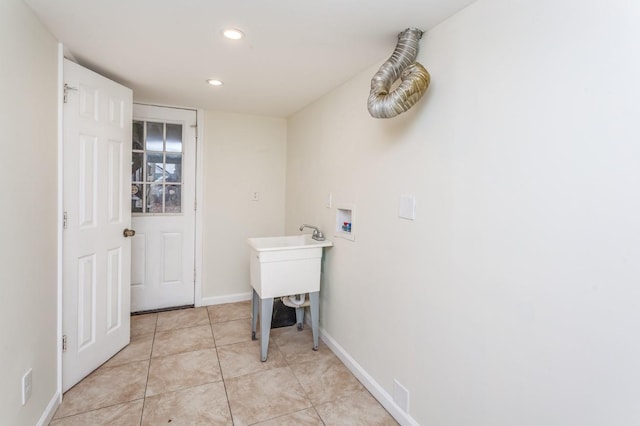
(126,414)
(184,370)
(200,405)
(182,340)
(143,324)
(326,379)
(265,395)
(138,350)
(358,409)
(229,311)
(104,387)
(181,318)
(186,367)
(227,333)
(244,358)
(297,345)
(307,417)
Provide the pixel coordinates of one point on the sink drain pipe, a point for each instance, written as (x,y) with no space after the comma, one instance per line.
(402,64)
(296,301)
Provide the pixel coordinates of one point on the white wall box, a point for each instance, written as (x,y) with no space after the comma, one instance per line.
(345,218)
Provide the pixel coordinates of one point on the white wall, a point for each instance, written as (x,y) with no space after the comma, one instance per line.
(28,246)
(513,298)
(242,154)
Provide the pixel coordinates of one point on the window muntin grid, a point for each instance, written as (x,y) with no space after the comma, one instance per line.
(156,168)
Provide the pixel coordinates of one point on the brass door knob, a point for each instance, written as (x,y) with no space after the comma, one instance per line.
(128,232)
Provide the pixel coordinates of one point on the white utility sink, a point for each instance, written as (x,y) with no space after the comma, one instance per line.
(283,266)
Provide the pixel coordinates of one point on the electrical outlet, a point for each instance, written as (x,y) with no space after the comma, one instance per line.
(255,196)
(401,396)
(26,386)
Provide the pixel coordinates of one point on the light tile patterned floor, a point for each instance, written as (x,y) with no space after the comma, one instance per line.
(200,367)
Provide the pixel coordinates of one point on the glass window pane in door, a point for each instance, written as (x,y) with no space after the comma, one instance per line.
(154,198)
(173,199)
(155,167)
(137,168)
(174,137)
(136,198)
(174,167)
(155,137)
(138,135)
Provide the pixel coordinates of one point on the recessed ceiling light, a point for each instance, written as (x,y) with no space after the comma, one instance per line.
(214,82)
(232,33)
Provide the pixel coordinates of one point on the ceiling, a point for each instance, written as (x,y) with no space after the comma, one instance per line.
(294,51)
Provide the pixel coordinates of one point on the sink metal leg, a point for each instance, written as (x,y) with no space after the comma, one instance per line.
(266,312)
(254,314)
(300,318)
(314,298)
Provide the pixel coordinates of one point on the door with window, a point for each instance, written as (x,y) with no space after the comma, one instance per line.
(163,207)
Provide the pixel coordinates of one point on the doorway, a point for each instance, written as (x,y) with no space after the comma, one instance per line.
(163,194)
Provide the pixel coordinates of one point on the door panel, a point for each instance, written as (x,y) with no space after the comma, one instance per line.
(114,289)
(172,267)
(115,191)
(163,205)
(86,301)
(96,255)
(87,180)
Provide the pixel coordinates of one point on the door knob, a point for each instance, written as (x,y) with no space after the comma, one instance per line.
(128,232)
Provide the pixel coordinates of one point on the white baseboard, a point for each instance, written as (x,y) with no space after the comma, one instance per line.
(372,386)
(53,405)
(230,298)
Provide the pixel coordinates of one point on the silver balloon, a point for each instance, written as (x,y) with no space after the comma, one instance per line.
(402,64)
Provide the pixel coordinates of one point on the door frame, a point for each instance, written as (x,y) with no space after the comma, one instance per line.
(58,396)
(199,205)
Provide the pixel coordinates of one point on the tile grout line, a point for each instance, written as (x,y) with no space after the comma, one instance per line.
(224,383)
(146,385)
(95,409)
(177,354)
(298,380)
(105,366)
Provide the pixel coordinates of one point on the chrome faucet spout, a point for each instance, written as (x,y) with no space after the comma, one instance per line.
(317,234)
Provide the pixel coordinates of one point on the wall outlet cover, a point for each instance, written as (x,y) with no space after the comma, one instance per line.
(407,207)
(401,396)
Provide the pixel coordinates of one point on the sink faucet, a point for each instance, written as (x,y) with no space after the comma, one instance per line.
(317,234)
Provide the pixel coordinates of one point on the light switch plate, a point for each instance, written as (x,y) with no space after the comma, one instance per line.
(407,207)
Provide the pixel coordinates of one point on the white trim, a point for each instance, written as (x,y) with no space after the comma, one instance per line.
(199,203)
(60,219)
(372,386)
(230,298)
(53,405)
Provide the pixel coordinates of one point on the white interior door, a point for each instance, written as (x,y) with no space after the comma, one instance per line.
(163,207)
(96,255)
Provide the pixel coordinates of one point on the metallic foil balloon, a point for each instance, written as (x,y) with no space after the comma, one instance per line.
(402,64)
